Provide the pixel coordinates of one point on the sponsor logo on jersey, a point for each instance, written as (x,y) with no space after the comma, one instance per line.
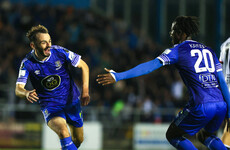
(51,82)
(208,80)
(58,64)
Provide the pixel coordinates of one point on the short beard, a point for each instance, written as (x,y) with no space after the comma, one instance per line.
(40,51)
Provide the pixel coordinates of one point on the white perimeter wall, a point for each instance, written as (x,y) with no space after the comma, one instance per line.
(92,137)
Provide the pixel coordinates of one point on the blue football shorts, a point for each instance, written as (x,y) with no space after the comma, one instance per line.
(208,116)
(72,113)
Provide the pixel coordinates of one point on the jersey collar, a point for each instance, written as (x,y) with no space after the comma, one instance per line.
(184,41)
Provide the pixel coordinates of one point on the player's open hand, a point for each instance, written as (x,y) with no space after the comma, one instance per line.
(32,96)
(85,99)
(105,79)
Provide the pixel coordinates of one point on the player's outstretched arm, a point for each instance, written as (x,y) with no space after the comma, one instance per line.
(139,70)
(31,96)
(85,98)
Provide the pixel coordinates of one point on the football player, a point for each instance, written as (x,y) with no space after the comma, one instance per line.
(201,72)
(54,88)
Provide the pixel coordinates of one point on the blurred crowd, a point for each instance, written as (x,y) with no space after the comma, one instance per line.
(102,42)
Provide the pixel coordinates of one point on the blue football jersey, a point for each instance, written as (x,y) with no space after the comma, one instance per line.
(51,78)
(198,67)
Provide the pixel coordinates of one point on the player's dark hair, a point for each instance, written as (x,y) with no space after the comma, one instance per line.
(187,24)
(31,34)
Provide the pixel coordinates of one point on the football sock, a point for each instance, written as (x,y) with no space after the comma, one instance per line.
(67,144)
(214,143)
(182,143)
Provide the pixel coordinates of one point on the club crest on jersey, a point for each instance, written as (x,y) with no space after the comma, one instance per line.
(58,64)
(51,82)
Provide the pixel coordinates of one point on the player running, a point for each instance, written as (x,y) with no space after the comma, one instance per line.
(202,74)
(54,89)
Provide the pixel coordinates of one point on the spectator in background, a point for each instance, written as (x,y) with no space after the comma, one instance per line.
(177,88)
(147,109)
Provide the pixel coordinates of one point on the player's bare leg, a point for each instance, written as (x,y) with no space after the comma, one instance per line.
(59,126)
(77,135)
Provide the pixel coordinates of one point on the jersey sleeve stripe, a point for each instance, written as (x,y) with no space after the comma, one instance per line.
(76,61)
(218,70)
(164,59)
(161,60)
(21,81)
(218,67)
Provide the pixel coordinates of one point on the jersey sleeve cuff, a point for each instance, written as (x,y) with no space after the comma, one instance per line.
(164,58)
(21,83)
(218,67)
(219,70)
(163,62)
(112,74)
